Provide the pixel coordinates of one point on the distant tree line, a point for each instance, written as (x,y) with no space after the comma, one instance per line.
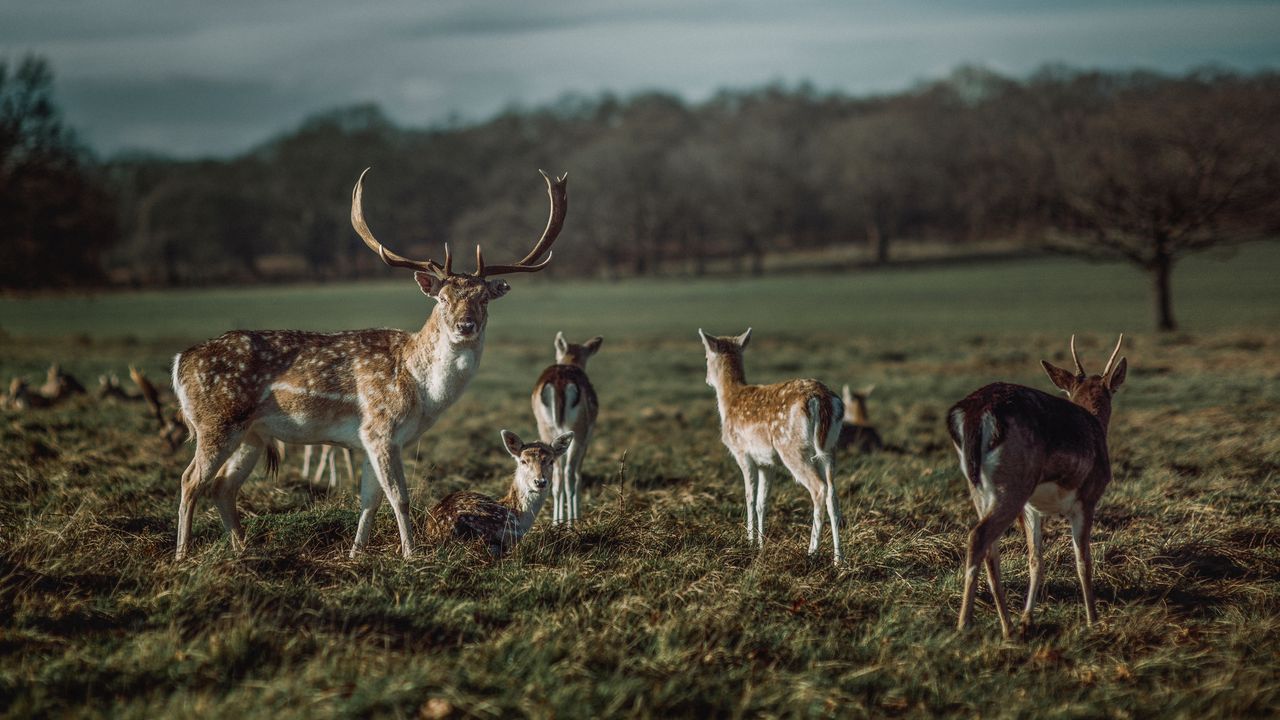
(1135,166)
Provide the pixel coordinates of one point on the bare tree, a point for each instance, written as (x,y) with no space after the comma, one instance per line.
(1168,169)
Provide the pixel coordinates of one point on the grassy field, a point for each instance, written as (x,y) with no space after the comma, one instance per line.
(656,606)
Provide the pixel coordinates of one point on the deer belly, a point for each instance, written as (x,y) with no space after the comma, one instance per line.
(1052,499)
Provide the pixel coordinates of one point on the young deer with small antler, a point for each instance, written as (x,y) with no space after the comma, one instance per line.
(1027,453)
(794,423)
(500,524)
(564,401)
(372,390)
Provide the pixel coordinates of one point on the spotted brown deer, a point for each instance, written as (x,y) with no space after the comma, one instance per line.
(794,423)
(563,401)
(1026,454)
(500,524)
(372,390)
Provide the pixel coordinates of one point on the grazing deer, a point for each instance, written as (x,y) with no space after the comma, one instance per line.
(795,423)
(500,524)
(564,400)
(1027,453)
(857,432)
(375,390)
(171,427)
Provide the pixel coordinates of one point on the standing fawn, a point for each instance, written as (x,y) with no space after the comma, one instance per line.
(857,432)
(563,401)
(500,524)
(373,390)
(1027,453)
(795,423)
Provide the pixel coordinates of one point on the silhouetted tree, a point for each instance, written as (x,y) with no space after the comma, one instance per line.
(56,220)
(1167,169)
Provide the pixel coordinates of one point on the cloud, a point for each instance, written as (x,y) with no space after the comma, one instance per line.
(194,78)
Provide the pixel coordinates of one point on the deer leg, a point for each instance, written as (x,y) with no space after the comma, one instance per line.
(326,456)
(209,457)
(827,470)
(764,477)
(808,477)
(306,460)
(387,466)
(1081,525)
(557,490)
(351,468)
(981,539)
(749,485)
(1032,524)
(333,468)
(370,501)
(997,587)
(226,486)
(577,452)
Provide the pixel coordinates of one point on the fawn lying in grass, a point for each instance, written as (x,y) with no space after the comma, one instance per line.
(499,524)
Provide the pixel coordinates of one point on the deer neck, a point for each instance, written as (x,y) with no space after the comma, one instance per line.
(443,368)
(859,410)
(729,379)
(524,505)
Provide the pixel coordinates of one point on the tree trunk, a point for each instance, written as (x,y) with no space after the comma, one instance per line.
(878,239)
(1161,272)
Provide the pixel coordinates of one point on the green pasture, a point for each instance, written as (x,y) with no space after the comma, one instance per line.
(655,606)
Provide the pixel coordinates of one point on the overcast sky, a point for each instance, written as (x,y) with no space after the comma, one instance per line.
(192,77)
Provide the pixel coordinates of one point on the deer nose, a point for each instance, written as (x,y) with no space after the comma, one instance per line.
(541,483)
(466,327)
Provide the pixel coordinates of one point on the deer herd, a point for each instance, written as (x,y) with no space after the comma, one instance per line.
(245,394)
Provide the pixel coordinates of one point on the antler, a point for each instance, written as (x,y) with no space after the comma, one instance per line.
(388,257)
(1079,368)
(557,192)
(1107,370)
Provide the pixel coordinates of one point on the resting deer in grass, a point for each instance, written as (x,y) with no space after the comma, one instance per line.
(60,385)
(500,524)
(794,423)
(563,401)
(373,390)
(857,432)
(1027,453)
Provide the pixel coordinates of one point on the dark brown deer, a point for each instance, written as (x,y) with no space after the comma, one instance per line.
(1026,454)
(372,390)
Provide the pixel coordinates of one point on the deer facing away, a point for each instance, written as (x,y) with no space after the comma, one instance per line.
(372,390)
(1026,454)
(500,524)
(794,424)
(565,401)
(857,431)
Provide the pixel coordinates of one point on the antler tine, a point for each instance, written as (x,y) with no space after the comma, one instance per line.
(1107,370)
(1079,368)
(557,192)
(479,261)
(388,257)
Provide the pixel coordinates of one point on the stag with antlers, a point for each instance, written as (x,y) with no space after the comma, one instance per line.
(1026,454)
(371,390)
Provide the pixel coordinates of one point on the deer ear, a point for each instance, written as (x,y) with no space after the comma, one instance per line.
(866,391)
(846,395)
(1117,375)
(561,444)
(497,288)
(429,283)
(744,338)
(593,345)
(562,345)
(706,341)
(1062,379)
(513,443)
